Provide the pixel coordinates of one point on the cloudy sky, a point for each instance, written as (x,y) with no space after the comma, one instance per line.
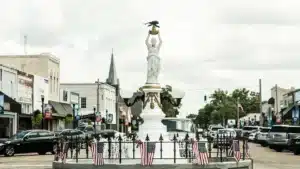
(206,44)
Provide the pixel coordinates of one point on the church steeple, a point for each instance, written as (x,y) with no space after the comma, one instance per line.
(112,75)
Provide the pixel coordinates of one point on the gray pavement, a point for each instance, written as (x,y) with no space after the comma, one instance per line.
(264,158)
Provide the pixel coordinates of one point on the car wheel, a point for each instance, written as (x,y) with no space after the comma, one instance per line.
(54,149)
(278,149)
(263,144)
(9,151)
(42,153)
(296,151)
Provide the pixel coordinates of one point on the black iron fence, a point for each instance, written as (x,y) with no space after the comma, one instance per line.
(218,149)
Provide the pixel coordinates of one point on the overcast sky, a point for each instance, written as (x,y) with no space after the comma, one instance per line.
(206,44)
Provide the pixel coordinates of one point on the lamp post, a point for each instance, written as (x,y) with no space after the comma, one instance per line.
(42,99)
(74,118)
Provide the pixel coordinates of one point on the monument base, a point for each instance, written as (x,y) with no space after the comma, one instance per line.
(152,114)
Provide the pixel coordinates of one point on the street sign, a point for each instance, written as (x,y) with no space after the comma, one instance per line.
(98,118)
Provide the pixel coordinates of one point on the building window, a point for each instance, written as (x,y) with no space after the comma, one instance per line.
(0,74)
(50,84)
(83,102)
(65,96)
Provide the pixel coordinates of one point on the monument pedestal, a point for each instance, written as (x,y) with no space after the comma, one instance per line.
(152,114)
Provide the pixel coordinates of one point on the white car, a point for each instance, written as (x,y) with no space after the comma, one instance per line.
(262,136)
(252,135)
(213,131)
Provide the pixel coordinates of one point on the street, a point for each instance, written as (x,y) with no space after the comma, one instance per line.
(264,158)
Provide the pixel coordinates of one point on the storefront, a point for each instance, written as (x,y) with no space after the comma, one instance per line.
(9,117)
(59,112)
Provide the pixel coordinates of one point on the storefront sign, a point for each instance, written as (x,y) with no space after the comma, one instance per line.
(48,112)
(25,88)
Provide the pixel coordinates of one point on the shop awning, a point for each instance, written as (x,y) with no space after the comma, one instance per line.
(287,112)
(61,109)
(14,106)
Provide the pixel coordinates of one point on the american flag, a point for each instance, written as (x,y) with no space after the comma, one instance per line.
(147,150)
(200,151)
(235,150)
(64,152)
(97,153)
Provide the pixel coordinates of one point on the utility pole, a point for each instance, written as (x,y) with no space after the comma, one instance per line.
(238,112)
(276,100)
(98,101)
(98,90)
(260,104)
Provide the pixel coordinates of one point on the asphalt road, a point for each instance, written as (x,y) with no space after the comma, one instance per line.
(264,158)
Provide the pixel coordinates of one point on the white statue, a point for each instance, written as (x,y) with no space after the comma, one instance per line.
(153,58)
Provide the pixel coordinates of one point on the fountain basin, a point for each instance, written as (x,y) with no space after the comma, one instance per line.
(158,164)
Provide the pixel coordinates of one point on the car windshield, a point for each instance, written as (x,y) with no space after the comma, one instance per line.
(265,130)
(249,128)
(279,129)
(294,129)
(80,128)
(19,135)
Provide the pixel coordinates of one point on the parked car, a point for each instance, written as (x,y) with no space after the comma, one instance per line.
(280,136)
(224,137)
(213,131)
(247,130)
(252,135)
(29,141)
(88,130)
(263,135)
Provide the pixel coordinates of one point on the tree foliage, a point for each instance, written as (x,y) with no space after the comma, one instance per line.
(167,107)
(223,106)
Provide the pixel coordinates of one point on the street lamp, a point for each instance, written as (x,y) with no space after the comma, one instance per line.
(42,99)
(94,108)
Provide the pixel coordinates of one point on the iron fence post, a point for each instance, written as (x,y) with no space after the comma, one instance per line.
(120,149)
(86,147)
(71,145)
(174,140)
(77,149)
(210,139)
(109,147)
(133,146)
(186,139)
(221,148)
(160,141)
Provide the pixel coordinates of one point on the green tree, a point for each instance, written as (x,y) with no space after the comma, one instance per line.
(191,116)
(224,105)
(167,107)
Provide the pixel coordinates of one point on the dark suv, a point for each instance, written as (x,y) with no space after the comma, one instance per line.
(29,141)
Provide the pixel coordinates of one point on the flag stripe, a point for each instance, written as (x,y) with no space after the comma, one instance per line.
(147,151)
(97,153)
(201,156)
